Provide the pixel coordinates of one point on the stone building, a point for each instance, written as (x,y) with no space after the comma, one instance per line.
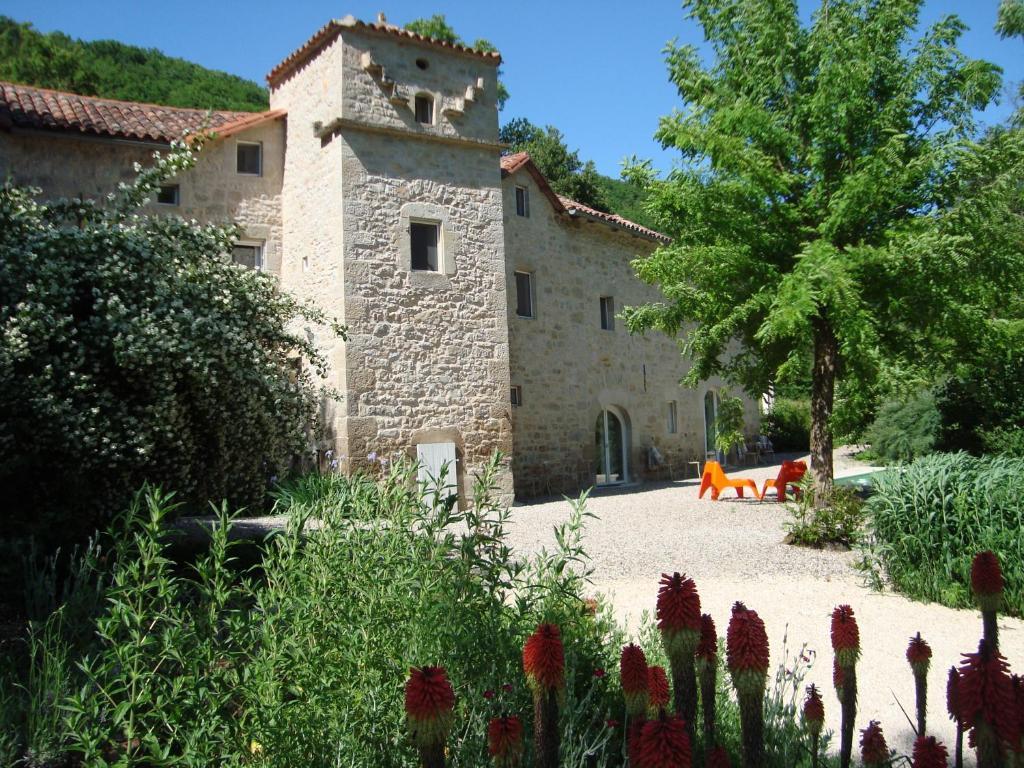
(481,306)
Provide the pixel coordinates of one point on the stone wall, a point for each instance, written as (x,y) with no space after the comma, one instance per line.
(570,369)
(69,166)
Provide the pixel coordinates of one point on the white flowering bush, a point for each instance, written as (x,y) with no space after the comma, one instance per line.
(132,350)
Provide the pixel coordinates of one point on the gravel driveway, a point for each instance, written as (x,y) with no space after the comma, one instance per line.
(734,550)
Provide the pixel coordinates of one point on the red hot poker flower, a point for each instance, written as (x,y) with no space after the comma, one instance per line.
(544,659)
(718,758)
(657,689)
(505,741)
(707,649)
(987,580)
(919,655)
(929,753)
(746,650)
(664,743)
(952,699)
(845,636)
(838,678)
(985,693)
(678,611)
(429,703)
(635,679)
(814,710)
(873,749)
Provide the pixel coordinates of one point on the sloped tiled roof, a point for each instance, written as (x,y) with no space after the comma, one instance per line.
(512,163)
(333,28)
(25,106)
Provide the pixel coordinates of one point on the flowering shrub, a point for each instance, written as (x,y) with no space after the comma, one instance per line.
(131,349)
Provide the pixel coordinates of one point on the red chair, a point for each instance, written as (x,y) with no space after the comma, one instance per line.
(716,479)
(790,473)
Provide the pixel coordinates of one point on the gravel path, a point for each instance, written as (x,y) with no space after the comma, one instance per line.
(734,550)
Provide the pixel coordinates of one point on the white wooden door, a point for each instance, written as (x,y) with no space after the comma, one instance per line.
(436,459)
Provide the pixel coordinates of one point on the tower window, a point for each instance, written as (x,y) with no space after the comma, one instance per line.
(524,294)
(424,238)
(522,201)
(422,63)
(425,109)
(248,255)
(517,395)
(168,195)
(250,158)
(608,313)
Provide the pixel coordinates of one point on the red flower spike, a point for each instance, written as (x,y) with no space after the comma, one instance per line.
(429,704)
(987,580)
(707,648)
(635,679)
(952,698)
(814,711)
(873,749)
(929,753)
(919,655)
(663,743)
(838,678)
(505,741)
(657,689)
(544,659)
(985,694)
(718,758)
(678,612)
(746,650)
(845,636)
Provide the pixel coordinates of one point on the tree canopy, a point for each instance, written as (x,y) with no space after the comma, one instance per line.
(113,70)
(438,28)
(824,210)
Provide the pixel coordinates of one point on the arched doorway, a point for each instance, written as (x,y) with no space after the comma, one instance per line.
(710,422)
(611,437)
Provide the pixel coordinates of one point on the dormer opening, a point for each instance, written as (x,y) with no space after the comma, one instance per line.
(424,108)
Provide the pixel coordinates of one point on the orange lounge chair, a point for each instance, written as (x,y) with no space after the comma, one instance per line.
(715,479)
(790,473)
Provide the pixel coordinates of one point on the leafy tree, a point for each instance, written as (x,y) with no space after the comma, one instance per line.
(114,70)
(816,216)
(132,350)
(438,28)
(565,172)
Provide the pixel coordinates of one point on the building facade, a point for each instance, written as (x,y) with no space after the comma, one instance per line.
(481,307)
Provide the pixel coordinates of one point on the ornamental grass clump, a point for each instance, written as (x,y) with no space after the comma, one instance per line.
(679,621)
(814,721)
(429,708)
(987,586)
(986,705)
(505,741)
(747,660)
(663,743)
(635,679)
(929,753)
(706,660)
(874,752)
(846,645)
(544,665)
(919,656)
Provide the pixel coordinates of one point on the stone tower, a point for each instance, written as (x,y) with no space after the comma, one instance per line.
(392,204)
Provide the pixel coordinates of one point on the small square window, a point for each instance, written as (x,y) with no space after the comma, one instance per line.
(168,195)
(248,255)
(250,158)
(608,313)
(425,109)
(524,294)
(424,238)
(517,395)
(672,424)
(522,201)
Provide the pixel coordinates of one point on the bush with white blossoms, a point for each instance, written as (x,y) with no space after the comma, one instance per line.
(132,350)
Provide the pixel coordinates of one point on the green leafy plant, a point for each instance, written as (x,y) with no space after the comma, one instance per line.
(788,424)
(904,431)
(927,519)
(729,422)
(839,522)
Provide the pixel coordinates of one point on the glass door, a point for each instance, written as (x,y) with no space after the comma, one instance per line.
(609,437)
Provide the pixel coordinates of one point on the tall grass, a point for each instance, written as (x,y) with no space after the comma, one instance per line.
(929,518)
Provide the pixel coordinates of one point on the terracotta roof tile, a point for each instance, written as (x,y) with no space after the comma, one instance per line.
(512,163)
(25,106)
(333,28)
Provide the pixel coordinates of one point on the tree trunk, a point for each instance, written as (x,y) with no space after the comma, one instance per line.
(823,386)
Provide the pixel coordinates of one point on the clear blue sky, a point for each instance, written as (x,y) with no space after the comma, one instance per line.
(593,69)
